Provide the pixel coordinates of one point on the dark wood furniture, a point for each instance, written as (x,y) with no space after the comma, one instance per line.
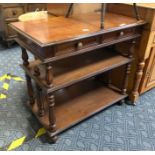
(72,57)
(10,13)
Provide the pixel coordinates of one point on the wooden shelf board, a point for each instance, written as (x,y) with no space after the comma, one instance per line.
(72,70)
(79,102)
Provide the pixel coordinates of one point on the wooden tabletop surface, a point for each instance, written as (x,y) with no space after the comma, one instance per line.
(57,29)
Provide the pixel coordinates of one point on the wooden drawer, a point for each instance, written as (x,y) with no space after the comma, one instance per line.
(118,35)
(92,42)
(77,45)
(14,12)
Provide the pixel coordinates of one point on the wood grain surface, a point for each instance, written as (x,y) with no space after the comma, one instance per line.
(60,28)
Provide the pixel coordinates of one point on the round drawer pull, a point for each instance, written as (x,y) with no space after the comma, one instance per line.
(121,33)
(80,45)
(14,12)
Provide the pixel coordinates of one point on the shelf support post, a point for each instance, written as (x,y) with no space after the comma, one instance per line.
(49,75)
(128,67)
(126,77)
(40,101)
(52,119)
(139,73)
(28,79)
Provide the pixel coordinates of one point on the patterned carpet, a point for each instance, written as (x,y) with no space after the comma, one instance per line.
(123,127)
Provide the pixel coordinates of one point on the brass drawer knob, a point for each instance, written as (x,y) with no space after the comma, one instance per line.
(121,33)
(80,45)
(14,12)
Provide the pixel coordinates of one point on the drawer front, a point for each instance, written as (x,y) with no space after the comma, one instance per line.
(13,12)
(75,46)
(94,41)
(118,35)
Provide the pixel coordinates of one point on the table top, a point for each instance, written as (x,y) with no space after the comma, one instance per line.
(59,29)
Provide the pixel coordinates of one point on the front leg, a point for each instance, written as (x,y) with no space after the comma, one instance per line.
(28,78)
(52,120)
(139,73)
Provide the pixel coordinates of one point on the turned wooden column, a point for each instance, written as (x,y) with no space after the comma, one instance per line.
(127,70)
(128,67)
(28,79)
(126,77)
(139,73)
(52,119)
(49,75)
(40,101)
(125,82)
(25,57)
(138,77)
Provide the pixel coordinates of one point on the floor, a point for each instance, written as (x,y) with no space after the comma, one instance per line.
(123,127)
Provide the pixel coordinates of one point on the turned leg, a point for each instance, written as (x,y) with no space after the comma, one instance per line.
(135,94)
(39,95)
(28,79)
(126,77)
(139,74)
(127,69)
(40,101)
(25,57)
(30,89)
(49,75)
(52,119)
(125,83)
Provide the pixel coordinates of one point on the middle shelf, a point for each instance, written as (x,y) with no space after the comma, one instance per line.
(75,69)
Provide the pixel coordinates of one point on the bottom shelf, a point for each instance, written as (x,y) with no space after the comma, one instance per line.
(78,102)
